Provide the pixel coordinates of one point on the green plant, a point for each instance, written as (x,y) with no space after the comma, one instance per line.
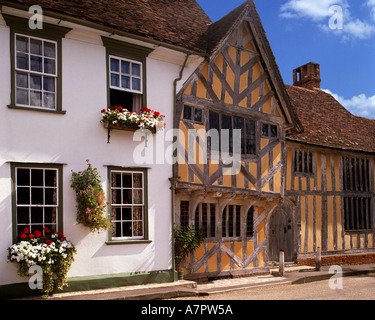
(90,198)
(50,251)
(186,240)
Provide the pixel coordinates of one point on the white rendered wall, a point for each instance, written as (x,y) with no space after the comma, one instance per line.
(70,139)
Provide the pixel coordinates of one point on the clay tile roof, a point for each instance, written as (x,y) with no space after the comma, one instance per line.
(177,22)
(327,123)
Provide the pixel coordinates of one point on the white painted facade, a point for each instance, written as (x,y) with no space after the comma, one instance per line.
(71,138)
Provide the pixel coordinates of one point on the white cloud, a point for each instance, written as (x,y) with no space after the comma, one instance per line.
(359,105)
(322,14)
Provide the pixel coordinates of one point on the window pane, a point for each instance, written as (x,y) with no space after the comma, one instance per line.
(125,67)
(198,115)
(37,215)
(115,65)
(137,180)
(22,80)
(37,177)
(115,80)
(49,66)
(137,197)
(138,229)
(127,196)
(23,177)
(137,213)
(50,215)
(273,131)
(116,180)
(35,82)
(36,98)
(36,46)
(50,178)
(50,196)
(22,97)
(49,49)
(116,196)
(23,195)
(37,196)
(49,84)
(49,100)
(22,61)
(125,82)
(265,130)
(22,44)
(136,69)
(187,112)
(36,64)
(127,214)
(127,180)
(23,215)
(127,229)
(136,84)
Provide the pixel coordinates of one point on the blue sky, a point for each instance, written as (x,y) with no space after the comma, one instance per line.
(337,34)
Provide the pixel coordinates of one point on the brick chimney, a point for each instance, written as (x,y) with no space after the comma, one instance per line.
(307,76)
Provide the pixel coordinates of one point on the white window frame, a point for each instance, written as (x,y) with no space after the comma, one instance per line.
(30,205)
(130,75)
(122,205)
(30,72)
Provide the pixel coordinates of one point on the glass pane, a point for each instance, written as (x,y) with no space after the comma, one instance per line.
(137,213)
(115,80)
(136,69)
(50,215)
(36,98)
(127,180)
(137,197)
(116,196)
(36,64)
(50,196)
(49,100)
(127,214)
(22,61)
(116,180)
(23,215)
(127,229)
(23,177)
(125,82)
(187,112)
(22,80)
(37,215)
(35,82)
(137,180)
(115,66)
(125,67)
(50,178)
(36,46)
(116,214)
(37,196)
(22,44)
(49,49)
(273,131)
(22,97)
(127,196)
(37,177)
(23,195)
(265,130)
(49,84)
(49,66)
(116,231)
(136,84)
(198,115)
(138,229)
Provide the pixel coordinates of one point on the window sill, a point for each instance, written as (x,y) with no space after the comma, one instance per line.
(117,242)
(36,109)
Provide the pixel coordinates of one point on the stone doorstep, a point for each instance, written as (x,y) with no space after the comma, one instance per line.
(129,289)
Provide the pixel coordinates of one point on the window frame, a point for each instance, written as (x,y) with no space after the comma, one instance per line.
(129,240)
(59,186)
(126,51)
(306,154)
(51,33)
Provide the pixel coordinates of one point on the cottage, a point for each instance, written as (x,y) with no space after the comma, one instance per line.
(259,166)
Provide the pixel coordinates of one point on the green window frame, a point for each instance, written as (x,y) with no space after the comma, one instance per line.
(136,55)
(37,197)
(128,205)
(50,34)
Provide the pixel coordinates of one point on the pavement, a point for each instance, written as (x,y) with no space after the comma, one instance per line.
(184,288)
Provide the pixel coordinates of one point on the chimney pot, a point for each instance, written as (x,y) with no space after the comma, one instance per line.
(307,76)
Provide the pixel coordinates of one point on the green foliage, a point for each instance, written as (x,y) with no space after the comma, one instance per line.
(90,198)
(186,240)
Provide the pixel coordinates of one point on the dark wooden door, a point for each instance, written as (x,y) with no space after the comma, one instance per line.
(280,236)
